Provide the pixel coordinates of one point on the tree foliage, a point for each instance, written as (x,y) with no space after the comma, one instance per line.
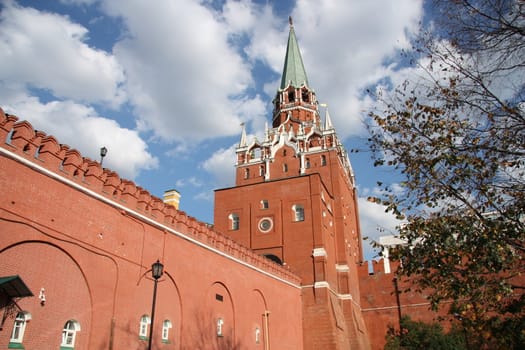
(424,336)
(456,133)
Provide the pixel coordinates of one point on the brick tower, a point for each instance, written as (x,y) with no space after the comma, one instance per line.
(295,202)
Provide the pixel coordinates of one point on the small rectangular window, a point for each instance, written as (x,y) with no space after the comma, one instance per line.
(143,326)
(298,212)
(19,327)
(166,326)
(264,204)
(219,297)
(234,221)
(220,324)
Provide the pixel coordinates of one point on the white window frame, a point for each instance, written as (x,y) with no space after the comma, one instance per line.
(235,221)
(220,326)
(69,334)
(19,327)
(166,326)
(144,323)
(298,210)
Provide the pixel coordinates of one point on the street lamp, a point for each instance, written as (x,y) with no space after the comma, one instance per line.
(156,273)
(103,152)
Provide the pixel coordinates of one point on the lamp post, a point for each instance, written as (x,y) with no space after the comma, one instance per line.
(103,152)
(156,273)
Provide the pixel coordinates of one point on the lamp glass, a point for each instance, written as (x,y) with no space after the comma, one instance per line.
(157,270)
(103,151)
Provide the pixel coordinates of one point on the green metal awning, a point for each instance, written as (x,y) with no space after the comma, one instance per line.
(14,287)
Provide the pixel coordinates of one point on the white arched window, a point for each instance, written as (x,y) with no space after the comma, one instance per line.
(69,334)
(298,212)
(145,321)
(19,327)
(166,326)
(234,221)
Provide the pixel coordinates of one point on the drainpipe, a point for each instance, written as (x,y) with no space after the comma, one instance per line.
(267,330)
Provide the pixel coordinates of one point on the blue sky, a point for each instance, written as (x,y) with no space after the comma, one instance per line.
(165,85)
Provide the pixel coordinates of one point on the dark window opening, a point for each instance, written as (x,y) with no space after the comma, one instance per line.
(291,96)
(273,258)
(305,96)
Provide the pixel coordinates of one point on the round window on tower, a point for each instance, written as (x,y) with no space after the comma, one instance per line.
(265,225)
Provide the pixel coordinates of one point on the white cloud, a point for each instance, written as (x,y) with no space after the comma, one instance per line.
(191,181)
(268,41)
(240,16)
(47,51)
(182,75)
(221,166)
(374,223)
(344,45)
(79,2)
(81,128)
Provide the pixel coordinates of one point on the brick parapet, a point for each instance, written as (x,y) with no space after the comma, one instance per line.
(45,151)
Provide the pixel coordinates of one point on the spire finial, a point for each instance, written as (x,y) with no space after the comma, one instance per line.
(242,143)
(290,21)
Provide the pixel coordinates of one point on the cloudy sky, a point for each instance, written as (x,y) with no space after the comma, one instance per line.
(165,84)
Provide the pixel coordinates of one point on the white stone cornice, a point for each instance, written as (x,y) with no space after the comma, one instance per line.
(342,268)
(325,284)
(321,284)
(319,252)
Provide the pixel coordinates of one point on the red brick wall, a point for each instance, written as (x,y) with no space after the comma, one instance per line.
(89,238)
(379,305)
(330,224)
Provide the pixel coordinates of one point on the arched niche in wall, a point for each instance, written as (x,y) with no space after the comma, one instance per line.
(260,322)
(168,308)
(50,270)
(217,319)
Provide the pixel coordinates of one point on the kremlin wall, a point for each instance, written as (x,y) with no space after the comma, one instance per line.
(87,240)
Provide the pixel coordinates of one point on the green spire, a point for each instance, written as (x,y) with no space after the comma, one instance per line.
(293,63)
